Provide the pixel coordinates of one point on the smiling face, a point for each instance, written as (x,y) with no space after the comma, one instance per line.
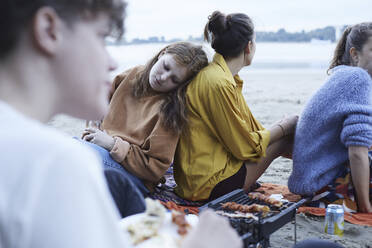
(166,74)
(83,68)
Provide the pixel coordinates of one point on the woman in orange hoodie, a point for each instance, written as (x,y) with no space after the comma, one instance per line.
(147,113)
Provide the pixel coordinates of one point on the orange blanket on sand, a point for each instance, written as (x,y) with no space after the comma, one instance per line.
(269,189)
(362,219)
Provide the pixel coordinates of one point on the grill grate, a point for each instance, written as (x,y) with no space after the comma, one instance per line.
(256,231)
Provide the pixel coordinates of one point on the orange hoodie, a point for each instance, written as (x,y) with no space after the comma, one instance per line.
(143,146)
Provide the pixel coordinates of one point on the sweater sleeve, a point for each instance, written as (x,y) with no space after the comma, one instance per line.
(120,149)
(151,160)
(357,130)
(357,126)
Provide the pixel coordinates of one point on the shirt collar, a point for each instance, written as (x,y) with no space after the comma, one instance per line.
(219,59)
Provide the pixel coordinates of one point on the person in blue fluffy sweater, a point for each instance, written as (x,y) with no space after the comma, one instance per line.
(331,158)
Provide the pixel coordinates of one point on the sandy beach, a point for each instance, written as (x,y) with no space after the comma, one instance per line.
(272,95)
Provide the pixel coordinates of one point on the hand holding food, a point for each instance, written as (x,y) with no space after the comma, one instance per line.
(212,231)
(157,227)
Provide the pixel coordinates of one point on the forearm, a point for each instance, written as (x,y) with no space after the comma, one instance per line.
(145,165)
(360,173)
(119,149)
(276,133)
(133,159)
(283,128)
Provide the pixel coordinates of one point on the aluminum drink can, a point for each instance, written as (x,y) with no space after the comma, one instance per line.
(334,220)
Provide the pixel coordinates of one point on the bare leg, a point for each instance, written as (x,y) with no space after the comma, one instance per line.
(254,170)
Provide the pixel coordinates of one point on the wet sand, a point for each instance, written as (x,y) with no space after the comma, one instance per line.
(272,95)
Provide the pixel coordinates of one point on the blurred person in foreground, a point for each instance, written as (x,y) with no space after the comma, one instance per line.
(52,191)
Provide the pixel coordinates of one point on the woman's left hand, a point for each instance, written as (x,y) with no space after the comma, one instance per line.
(98,137)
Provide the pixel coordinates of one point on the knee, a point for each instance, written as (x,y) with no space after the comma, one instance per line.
(126,195)
(115,177)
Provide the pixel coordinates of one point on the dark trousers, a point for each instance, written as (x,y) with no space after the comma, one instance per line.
(127,197)
(127,190)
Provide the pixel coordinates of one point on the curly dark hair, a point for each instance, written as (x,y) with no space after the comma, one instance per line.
(16,15)
(229,34)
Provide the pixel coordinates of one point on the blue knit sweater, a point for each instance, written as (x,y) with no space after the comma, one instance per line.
(339,115)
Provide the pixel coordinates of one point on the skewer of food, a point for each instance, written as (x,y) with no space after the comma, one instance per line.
(254,208)
(237,215)
(263,198)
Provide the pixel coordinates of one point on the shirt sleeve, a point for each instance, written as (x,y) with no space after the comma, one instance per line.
(235,126)
(73,207)
(151,160)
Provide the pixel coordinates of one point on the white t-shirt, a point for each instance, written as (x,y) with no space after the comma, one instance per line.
(52,190)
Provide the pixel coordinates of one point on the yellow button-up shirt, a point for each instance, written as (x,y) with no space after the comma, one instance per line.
(221,133)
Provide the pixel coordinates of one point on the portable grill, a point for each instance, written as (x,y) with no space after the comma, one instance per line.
(256,233)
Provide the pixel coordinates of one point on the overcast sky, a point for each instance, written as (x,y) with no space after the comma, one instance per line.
(181,18)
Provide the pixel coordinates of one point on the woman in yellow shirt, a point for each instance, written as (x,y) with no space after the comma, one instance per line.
(223,146)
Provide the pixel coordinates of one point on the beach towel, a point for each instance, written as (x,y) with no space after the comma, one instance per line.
(354,218)
(164,193)
(340,191)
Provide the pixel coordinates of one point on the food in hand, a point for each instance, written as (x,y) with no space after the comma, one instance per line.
(179,219)
(157,228)
(148,226)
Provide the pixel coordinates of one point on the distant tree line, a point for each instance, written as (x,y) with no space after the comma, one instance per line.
(327,33)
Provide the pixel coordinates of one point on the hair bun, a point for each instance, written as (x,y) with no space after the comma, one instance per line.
(217,23)
(229,34)
(228,21)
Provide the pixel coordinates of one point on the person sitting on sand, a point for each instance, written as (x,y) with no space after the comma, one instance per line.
(53,60)
(223,146)
(334,133)
(139,135)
